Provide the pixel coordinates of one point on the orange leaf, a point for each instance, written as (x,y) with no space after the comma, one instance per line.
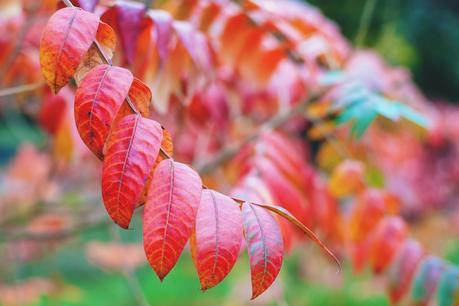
(106,39)
(265,246)
(217,237)
(347,179)
(387,240)
(131,152)
(65,40)
(170,211)
(97,102)
(366,213)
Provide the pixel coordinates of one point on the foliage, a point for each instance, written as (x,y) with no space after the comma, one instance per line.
(256,99)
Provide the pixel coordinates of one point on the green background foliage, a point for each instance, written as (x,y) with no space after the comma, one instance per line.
(419,34)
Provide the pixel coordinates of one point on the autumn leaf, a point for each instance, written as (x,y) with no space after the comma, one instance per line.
(403,268)
(170,212)
(52,112)
(284,192)
(65,40)
(347,179)
(162,27)
(106,41)
(126,17)
(217,237)
(265,246)
(97,102)
(131,152)
(387,240)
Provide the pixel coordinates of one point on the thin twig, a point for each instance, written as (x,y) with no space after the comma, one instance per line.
(88,221)
(129,274)
(272,124)
(367,14)
(20,89)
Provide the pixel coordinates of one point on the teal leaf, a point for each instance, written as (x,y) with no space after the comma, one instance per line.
(448,293)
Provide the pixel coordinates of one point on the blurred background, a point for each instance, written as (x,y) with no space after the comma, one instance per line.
(418,34)
(48,257)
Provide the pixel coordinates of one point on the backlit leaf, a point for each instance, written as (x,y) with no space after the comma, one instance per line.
(131,152)
(402,270)
(126,17)
(65,40)
(170,211)
(217,237)
(106,40)
(387,240)
(265,246)
(97,102)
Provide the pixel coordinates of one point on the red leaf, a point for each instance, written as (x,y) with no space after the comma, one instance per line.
(65,40)
(106,40)
(402,271)
(166,147)
(387,240)
(162,24)
(366,213)
(284,191)
(126,18)
(265,246)
(170,212)
(87,5)
(97,102)
(217,237)
(131,152)
(195,43)
(52,112)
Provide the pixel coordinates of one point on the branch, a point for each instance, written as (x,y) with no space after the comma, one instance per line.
(20,89)
(270,125)
(88,221)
